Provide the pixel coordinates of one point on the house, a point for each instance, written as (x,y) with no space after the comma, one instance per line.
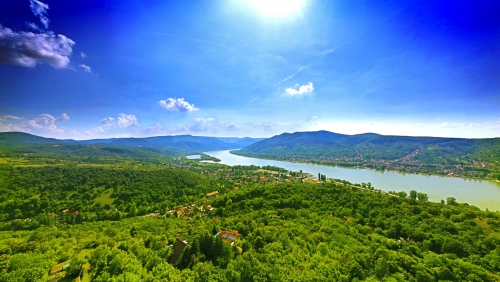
(178,248)
(213,194)
(180,212)
(227,236)
(206,208)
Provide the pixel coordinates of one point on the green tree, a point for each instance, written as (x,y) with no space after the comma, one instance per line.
(413,194)
(422,197)
(451,201)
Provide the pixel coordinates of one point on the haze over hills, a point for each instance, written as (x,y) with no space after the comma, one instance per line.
(180,144)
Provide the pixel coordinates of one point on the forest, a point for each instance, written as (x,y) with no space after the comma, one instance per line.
(113,219)
(469,158)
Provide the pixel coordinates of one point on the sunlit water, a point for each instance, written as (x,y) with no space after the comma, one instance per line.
(480,193)
(193,157)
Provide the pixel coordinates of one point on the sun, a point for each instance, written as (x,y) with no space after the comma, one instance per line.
(277,8)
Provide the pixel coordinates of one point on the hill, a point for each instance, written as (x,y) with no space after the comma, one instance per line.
(180,144)
(455,156)
(119,221)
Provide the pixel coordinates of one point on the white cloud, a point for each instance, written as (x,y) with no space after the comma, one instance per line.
(9,117)
(86,68)
(267,127)
(173,104)
(303,89)
(28,49)
(122,121)
(157,128)
(64,117)
(12,127)
(448,124)
(100,129)
(83,55)
(234,127)
(107,121)
(39,9)
(43,122)
(201,124)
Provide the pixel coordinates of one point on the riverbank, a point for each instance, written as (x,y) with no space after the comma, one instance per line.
(480,193)
(356,166)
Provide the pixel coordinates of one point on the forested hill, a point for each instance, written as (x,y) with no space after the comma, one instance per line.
(457,155)
(180,144)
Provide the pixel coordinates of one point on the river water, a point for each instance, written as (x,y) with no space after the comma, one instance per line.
(480,193)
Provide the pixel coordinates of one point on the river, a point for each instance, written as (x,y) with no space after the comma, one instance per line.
(481,193)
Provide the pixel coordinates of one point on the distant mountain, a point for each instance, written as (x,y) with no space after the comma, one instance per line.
(18,138)
(328,146)
(180,144)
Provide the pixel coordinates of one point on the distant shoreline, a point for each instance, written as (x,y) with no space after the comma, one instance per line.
(353,167)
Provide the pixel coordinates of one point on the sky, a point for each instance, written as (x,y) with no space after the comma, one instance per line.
(86,69)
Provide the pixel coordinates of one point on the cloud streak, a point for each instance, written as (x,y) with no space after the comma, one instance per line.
(323,54)
(86,68)
(39,9)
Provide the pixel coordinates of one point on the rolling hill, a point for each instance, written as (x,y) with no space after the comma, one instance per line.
(379,151)
(180,144)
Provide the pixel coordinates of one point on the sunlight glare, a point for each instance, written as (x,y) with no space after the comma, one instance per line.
(277,8)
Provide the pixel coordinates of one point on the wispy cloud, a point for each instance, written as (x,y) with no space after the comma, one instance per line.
(291,76)
(323,54)
(193,39)
(448,124)
(83,55)
(39,9)
(173,104)
(303,89)
(240,52)
(32,26)
(9,117)
(86,68)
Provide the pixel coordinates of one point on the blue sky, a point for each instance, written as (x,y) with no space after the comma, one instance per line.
(95,69)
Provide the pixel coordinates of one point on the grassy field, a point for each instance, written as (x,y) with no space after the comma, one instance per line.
(105,197)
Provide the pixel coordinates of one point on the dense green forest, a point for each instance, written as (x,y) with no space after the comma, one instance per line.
(116,215)
(473,158)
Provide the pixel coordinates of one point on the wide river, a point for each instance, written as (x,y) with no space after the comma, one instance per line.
(480,193)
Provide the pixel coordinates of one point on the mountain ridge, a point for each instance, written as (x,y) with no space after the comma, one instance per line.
(179,143)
